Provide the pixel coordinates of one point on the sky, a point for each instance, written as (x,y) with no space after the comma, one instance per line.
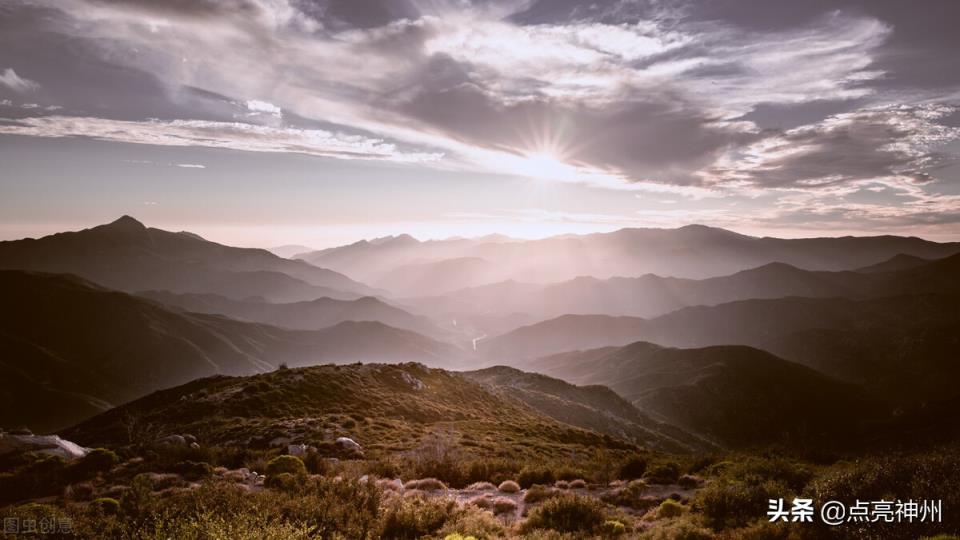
(321,122)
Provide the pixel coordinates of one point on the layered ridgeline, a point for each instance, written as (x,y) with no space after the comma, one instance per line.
(72,348)
(128,256)
(891,320)
(688,252)
(306,315)
(904,346)
(652,295)
(734,395)
(387,409)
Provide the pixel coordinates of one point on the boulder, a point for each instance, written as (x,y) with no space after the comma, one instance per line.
(175,440)
(44,444)
(349,444)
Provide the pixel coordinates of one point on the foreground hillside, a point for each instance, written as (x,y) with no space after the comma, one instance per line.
(385,408)
(72,348)
(398,452)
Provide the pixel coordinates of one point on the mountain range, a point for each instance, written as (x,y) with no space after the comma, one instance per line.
(128,256)
(72,348)
(694,252)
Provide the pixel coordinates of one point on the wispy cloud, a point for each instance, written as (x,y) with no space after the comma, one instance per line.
(11,80)
(234,136)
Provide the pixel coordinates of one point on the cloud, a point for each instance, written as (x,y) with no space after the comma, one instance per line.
(234,136)
(191,166)
(895,143)
(11,80)
(257,107)
(654,99)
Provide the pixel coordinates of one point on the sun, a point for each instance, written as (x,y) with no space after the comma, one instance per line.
(544,166)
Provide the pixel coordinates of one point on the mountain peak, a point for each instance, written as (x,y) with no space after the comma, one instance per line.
(126,222)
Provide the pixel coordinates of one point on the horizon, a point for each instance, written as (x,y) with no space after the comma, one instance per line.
(507,237)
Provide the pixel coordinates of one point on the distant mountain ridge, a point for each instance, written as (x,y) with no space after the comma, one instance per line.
(694,252)
(128,256)
(307,315)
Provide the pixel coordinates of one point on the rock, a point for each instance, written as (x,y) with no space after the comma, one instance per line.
(45,444)
(349,444)
(413,382)
(174,440)
(194,445)
(297,450)
(189,438)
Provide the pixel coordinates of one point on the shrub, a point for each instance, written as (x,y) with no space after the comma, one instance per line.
(613,528)
(106,505)
(568,473)
(568,514)
(481,501)
(670,509)
(632,495)
(481,486)
(286,464)
(509,486)
(410,518)
(504,505)
(425,484)
(79,492)
(578,484)
(490,470)
(96,461)
(679,529)
(634,467)
(663,473)
(535,475)
(728,503)
(689,481)
(538,493)
(193,470)
(282,482)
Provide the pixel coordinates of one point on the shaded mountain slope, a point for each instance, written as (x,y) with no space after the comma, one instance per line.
(591,407)
(67,337)
(128,256)
(308,315)
(735,395)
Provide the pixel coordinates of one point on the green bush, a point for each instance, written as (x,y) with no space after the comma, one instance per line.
(286,464)
(193,470)
(679,529)
(106,505)
(415,517)
(635,467)
(96,461)
(567,514)
(538,493)
(727,503)
(282,482)
(535,475)
(670,509)
(613,528)
(663,473)
(473,523)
